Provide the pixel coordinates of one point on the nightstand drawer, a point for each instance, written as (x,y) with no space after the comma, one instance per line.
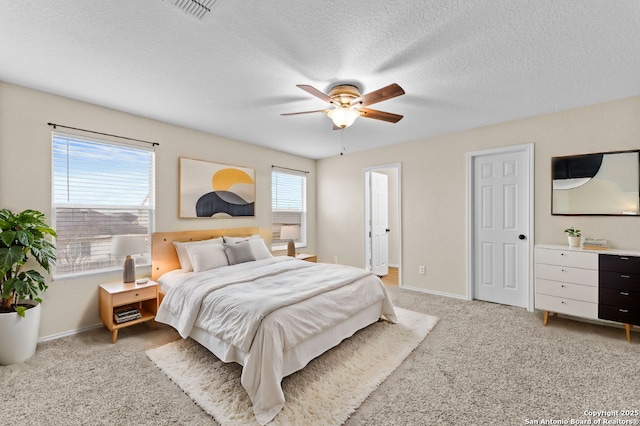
(135,295)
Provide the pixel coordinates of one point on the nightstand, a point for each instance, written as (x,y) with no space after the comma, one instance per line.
(143,297)
(307,257)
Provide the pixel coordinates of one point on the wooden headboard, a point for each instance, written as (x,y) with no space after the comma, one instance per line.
(163,254)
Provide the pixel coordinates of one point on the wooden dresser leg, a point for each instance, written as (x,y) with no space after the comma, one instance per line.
(627,328)
(114,336)
(546,318)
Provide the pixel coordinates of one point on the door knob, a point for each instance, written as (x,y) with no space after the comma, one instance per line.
(522,237)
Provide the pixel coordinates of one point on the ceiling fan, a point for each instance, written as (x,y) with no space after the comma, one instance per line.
(348,103)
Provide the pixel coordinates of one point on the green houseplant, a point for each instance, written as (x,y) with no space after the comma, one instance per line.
(573,235)
(23,236)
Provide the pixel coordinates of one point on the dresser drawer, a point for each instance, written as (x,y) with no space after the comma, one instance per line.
(619,314)
(616,263)
(567,290)
(575,259)
(568,275)
(619,281)
(622,298)
(133,296)
(566,306)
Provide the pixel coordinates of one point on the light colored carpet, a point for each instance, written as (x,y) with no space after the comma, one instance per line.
(325,392)
(483,364)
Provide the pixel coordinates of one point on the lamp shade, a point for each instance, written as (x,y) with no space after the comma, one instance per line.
(290,232)
(126,245)
(343,116)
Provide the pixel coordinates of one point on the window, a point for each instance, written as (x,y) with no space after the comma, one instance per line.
(100,189)
(288,207)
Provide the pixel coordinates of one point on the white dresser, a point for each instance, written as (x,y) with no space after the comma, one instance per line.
(566,281)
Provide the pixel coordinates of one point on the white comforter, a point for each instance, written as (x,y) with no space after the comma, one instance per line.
(233,303)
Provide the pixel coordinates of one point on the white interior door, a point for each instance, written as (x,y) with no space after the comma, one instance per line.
(501,225)
(379,224)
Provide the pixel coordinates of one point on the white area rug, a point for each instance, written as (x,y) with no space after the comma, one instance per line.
(325,392)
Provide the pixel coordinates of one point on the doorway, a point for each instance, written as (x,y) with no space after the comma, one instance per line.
(382,225)
(500,224)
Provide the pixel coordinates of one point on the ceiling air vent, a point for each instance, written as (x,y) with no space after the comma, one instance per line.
(199,9)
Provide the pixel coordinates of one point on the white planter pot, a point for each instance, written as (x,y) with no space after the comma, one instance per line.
(574,241)
(19,335)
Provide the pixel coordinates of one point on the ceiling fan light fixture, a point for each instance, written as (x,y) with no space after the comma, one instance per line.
(343,116)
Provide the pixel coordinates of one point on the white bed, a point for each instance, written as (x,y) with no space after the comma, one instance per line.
(300,323)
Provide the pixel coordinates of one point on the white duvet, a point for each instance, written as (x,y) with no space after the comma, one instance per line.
(233,303)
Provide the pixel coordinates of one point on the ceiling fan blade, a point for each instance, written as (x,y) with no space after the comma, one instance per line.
(318,94)
(380,115)
(304,112)
(388,92)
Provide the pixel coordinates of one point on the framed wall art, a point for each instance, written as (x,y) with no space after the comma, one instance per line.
(216,190)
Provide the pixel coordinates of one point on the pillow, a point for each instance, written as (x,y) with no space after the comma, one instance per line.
(183,256)
(233,240)
(259,249)
(239,252)
(207,256)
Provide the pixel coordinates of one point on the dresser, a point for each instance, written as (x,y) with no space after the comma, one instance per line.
(588,284)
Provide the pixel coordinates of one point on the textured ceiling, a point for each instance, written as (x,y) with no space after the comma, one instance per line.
(463,64)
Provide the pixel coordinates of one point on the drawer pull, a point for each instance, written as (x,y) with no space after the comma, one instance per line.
(563,302)
(137,294)
(624,276)
(562,285)
(623,293)
(624,311)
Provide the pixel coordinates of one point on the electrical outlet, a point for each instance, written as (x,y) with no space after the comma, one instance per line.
(421,270)
(335,259)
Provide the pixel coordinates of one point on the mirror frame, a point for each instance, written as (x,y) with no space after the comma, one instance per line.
(554,160)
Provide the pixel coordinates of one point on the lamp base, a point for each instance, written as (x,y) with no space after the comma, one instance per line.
(129,271)
(291,249)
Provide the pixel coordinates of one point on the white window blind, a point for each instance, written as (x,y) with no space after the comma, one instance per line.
(288,205)
(100,189)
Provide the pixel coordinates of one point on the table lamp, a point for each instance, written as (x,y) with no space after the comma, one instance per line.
(127,245)
(290,232)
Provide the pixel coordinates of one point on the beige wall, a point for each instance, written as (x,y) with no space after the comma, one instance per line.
(434,190)
(25,180)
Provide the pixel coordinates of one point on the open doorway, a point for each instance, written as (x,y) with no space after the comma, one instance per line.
(382,224)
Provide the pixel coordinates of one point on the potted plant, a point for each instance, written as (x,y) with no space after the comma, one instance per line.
(574,236)
(23,236)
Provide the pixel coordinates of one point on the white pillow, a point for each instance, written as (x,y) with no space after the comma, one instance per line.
(259,249)
(183,256)
(207,256)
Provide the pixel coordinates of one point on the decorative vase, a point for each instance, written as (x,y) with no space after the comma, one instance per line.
(574,241)
(19,335)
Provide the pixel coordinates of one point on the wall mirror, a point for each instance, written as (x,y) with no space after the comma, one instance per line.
(606,183)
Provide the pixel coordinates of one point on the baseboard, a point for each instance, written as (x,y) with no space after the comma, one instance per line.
(68,333)
(434,292)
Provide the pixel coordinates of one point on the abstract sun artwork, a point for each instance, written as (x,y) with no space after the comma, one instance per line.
(216,190)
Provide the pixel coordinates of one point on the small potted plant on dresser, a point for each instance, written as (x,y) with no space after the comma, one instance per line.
(22,236)
(574,236)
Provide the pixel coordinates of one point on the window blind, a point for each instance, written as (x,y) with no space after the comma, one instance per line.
(288,205)
(100,189)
